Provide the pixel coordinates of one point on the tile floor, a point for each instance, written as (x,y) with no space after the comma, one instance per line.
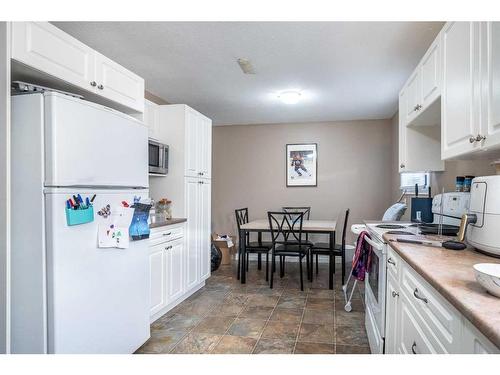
(226,317)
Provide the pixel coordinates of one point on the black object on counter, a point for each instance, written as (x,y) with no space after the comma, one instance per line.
(215,258)
(424,206)
(447,230)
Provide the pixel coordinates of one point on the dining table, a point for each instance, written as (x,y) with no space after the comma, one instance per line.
(308,227)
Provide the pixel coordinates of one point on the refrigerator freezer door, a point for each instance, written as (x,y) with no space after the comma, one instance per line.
(90,145)
(98,299)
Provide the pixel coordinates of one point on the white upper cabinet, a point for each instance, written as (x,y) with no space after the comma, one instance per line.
(490,67)
(49,50)
(402,131)
(413,97)
(430,72)
(198,145)
(152,118)
(116,83)
(460,93)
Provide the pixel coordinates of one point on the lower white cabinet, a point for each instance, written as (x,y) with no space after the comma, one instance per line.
(158,278)
(421,321)
(174,262)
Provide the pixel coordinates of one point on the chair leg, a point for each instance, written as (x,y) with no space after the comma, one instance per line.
(309,278)
(281,266)
(239,263)
(259,261)
(343,266)
(267,266)
(248,259)
(317,264)
(301,276)
(273,267)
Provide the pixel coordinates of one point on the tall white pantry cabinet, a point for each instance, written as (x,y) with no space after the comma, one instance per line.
(188,184)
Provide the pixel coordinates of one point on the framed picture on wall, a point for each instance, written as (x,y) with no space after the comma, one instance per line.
(301,164)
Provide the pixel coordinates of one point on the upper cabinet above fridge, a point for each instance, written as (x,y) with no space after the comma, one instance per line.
(43,54)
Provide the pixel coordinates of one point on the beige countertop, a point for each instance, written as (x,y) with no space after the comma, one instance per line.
(451,274)
(162,223)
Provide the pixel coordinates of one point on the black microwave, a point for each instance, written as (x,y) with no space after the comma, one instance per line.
(158,157)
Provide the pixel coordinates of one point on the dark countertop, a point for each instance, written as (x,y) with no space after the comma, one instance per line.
(164,223)
(451,274)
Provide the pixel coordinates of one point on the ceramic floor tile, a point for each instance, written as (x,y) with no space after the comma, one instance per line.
(197,343)
(291,302)
(353,318)
(256,312)
(280,330)
(350,349)
(161,342)
(262,300)
(214,324)
(318,316)
(234,345)
(274,346)
(317,333)
(177,322)
(287,315)
(351,335)
(247,327)
(314,348)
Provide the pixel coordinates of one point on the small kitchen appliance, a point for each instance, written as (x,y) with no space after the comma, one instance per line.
(158,157)
(481,224)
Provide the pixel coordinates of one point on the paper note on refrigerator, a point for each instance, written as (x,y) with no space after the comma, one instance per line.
(111,235)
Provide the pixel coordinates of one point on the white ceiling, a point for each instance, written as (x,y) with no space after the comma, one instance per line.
(346,70)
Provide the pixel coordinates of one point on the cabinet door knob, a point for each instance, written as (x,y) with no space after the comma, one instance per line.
(93,83)
(419,107)
(395,294)
(168,247)
(390,261)
(414,348)
(480,138)
(100,87)
(401,165)
(472,139)
(167,234)
(416,294)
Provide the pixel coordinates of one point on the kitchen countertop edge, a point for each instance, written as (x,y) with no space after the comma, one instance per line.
(479,318)
(165,223)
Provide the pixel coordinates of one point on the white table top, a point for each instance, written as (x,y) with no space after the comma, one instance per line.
(307,225)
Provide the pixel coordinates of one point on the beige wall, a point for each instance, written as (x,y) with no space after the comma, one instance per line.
(354,170)
(439,180)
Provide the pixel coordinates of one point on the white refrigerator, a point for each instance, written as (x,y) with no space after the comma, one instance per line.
(67,294)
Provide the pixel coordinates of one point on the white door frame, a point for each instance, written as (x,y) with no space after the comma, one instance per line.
(5,187)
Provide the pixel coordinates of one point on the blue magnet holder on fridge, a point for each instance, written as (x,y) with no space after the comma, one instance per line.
(80,215)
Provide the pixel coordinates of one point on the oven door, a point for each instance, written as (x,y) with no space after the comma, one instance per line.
(375,297)
(156,152)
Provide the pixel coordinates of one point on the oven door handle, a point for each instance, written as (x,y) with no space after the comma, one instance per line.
(376,245)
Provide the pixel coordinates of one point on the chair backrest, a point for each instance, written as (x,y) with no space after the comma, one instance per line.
(241,216)
(305,210)
(285,228)
(342,220)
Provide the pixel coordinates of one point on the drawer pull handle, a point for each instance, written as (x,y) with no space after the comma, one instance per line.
(167,234)
(415,293)
(395,294)
(413,347)
(168,247)
(390,261)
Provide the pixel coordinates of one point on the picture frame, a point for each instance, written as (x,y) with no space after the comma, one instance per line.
(301,165)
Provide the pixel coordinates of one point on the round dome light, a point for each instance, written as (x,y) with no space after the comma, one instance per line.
(289,97)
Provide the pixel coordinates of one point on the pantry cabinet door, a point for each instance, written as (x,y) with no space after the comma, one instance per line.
(205,228)
(158,280)
(192,251)
(491,79)
(175,265)
(193,137)
(460,100)
(116,83)
(205,147)
(48,49)
(430,71)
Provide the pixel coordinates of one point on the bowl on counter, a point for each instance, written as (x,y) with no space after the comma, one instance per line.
(488,275)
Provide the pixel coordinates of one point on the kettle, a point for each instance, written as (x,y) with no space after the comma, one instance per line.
(481,225)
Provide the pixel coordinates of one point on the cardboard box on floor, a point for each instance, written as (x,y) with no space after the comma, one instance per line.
(226,251)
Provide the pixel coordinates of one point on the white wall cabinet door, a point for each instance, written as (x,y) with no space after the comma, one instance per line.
(48,49)
(204,229)
(491,79)
(174,266)
(192,143)
(430,72)
(460,99)
(413,95)
(151,118)
(118,84)
(205,147)
(192,233)
(402,132)
(158,278)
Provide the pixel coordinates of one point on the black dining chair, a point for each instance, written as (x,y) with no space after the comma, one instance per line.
(323,248)
(287,238)
(258,247)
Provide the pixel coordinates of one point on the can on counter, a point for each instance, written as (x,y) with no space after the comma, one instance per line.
(459,185)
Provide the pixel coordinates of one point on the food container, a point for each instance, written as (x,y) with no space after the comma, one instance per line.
(488,275)
(164,209)
(459,185)
(468,183)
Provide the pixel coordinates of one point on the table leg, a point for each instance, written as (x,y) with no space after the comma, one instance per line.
(331,265)
(243,272)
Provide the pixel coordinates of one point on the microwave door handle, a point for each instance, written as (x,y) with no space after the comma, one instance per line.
(160,156)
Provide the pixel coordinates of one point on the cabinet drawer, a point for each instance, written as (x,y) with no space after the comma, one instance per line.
(412,337)
(393,263)
(438,314)
(165,234)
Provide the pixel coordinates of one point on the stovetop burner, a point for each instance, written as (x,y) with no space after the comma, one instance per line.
(401,232)
(390,226)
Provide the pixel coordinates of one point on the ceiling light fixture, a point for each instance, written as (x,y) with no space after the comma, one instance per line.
(290,97)
(246,66)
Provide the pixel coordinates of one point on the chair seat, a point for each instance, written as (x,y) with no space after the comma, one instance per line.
(291,249)
(324,248)
(303,242)
(256,246)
